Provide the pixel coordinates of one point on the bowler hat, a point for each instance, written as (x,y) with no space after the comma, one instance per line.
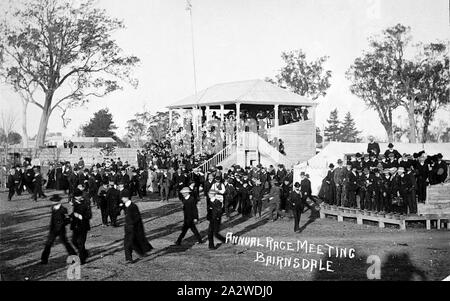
(390,145)
(297,185)
(55,198)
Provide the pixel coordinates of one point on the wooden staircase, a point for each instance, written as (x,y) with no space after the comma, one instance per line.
(299,140)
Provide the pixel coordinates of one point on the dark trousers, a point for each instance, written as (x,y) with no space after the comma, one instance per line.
(79,240)
(228,204)
(297,211)
(422,190)
(213,231)
(273,211)
(257,207)
(362,198)
(378,201)
(410,202)
(164,192)
(103,210)
(351,195)
(51,239)
(37,192)
(112,213)
(128,246)
(11,193)
(338,195)
(186,227)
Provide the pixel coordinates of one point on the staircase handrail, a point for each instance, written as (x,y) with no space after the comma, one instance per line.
(217,158)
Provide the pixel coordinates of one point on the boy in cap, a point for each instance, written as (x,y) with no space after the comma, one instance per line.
(190,215)
(58,221)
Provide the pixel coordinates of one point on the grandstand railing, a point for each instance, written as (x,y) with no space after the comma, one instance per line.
(264,147)
(218,158)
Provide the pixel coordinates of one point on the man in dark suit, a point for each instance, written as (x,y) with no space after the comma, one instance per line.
(112,203)
(441,169)
(13,182)
(190,215)
(405,190)
(94,183)
(352,187)
(134,239)
(37,185)
(58,221)
(297,204)
(423,173)
(80,223)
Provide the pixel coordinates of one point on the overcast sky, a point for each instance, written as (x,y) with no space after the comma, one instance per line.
(240,40)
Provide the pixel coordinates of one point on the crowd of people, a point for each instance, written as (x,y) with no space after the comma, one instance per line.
(111,185)
(388,183)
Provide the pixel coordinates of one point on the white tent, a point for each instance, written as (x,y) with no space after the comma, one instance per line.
(317,166)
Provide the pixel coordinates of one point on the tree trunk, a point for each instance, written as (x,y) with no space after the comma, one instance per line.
(412,122)
(24,124)
(46,112)
(389,131)
(426,124)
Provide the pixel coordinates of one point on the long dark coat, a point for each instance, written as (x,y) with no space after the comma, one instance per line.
(134,230)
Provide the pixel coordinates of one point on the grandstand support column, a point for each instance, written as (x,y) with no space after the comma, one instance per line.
(240,150)
(207,114)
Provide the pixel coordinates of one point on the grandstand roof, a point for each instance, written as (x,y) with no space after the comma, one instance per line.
(257,92)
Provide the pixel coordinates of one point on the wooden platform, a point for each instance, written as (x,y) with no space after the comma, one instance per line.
(400,220)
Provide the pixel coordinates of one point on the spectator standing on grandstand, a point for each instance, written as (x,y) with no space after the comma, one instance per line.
(391,150)
(339,178)
(373,147)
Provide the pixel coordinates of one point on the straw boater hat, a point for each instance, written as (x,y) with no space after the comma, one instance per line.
(185,190)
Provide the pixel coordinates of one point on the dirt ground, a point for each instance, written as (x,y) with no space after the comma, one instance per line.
(414,254)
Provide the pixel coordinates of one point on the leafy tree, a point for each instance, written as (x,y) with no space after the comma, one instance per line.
(101,125)
(332,131)
(348,131)
(319,137)
(309,79)
(135,130)
(60,55)
(386,79)
(433,86)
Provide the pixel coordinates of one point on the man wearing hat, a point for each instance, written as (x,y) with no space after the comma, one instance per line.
(405,190)
(112,203)
(190,215)
(80,223)
(216,209)
(385,190)
(164,184)
(338,177)
(257,194)
(391,161)
(37,184)
(423,174)
(58,221)
(440,169)
(102,202)
(274,199)
(229,196)
(352,187)
(134,238)
(297,204)
(391,150)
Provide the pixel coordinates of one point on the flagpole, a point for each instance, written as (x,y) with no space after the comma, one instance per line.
(189,8)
